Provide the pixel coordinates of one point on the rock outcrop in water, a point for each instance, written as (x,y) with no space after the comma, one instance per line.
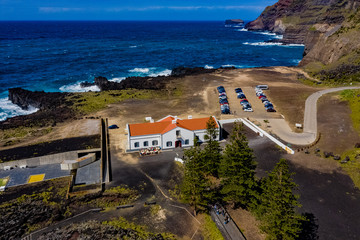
(153,83)
(328,28)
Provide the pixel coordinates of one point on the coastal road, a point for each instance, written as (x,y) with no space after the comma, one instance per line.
(308,136)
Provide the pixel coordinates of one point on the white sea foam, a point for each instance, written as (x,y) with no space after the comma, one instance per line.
(272,44)
(118,79)
(8,109)
(242,30)
(134,46)
(76,87)
(140,70)
(166,72)
(296,61)
(208,67)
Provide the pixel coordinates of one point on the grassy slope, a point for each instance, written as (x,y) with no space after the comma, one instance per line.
(353,166)
(89,102)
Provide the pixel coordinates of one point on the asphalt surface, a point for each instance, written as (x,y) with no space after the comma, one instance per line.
(89,174)
(21,176)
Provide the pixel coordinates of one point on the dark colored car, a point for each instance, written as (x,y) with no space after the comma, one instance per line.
(113,127)
(270,110)
(238,90)
(243,102)
(222,101)
(241,96)
(268,105)
(221,89)
(264,99)
(261,96)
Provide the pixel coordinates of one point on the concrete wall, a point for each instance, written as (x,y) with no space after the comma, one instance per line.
(142,139)
(48,159)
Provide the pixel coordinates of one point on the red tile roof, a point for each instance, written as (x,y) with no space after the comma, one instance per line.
(166,125)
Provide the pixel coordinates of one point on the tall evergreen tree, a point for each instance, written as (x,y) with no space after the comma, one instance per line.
(278,203)
(212,150)
(195,187)
(237,170)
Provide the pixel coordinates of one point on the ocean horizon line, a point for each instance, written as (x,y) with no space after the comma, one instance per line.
(120,20)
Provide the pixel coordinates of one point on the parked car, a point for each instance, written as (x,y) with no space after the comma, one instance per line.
(263,87)
(244,101)
(264,99)
(241,96)
(223,97)
(221,89)
(247,108)
(113,127)
(270,110)
(225,109)
(222,101)
(266,102)
(269,106)
(238,90)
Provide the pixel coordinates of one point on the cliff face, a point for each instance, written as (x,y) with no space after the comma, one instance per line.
(328,28)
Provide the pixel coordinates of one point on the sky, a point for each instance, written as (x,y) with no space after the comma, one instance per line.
(131,9)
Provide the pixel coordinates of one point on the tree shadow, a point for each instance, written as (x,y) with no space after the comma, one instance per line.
(309,227)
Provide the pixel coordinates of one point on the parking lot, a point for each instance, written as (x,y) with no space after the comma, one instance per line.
(257,105)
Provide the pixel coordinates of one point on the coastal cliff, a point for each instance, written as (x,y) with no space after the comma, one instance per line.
(328,28)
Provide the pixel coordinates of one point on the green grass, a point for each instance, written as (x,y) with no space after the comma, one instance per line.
(210,230)
(89,102)
(353,98)
(115,196)
(142,231)
(353,166)
(3,181)
(14,135)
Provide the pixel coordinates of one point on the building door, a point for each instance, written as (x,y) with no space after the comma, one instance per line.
(178,144)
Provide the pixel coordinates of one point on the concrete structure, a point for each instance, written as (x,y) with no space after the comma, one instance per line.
(78,163)
(169,132)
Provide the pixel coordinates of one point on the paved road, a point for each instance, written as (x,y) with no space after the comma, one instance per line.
(308,136)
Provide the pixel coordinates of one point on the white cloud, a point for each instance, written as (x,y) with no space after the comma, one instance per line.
(185,8)
(60,9)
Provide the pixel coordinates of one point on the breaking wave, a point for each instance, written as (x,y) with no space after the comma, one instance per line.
(8,109)
(76,87)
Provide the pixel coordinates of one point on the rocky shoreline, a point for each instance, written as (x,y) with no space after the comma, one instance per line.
(54,107)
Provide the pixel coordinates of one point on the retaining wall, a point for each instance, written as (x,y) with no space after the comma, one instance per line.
(48,159)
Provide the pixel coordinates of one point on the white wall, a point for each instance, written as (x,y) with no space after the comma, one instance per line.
(171,136)
(142,139)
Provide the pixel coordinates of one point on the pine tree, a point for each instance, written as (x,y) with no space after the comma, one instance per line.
(195,187)
(237,170)
(212,150)
(278,203)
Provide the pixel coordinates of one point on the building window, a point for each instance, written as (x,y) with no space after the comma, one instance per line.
(177,133)
(146,143)
(137,144)
(155,143)
(169,144)
(186,142)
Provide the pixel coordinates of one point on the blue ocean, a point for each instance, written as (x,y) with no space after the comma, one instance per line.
(58,55)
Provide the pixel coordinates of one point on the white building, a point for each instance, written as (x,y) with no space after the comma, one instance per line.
(169,132)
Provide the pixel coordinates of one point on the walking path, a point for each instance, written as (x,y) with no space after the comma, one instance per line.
(229,230)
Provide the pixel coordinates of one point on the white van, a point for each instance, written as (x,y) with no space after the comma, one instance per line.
(263,87)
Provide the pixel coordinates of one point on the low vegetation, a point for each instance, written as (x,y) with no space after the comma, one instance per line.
(14,135)
(113,197)
(353,98)
(352,167)
(89,102)
(209,229)
(141,231)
